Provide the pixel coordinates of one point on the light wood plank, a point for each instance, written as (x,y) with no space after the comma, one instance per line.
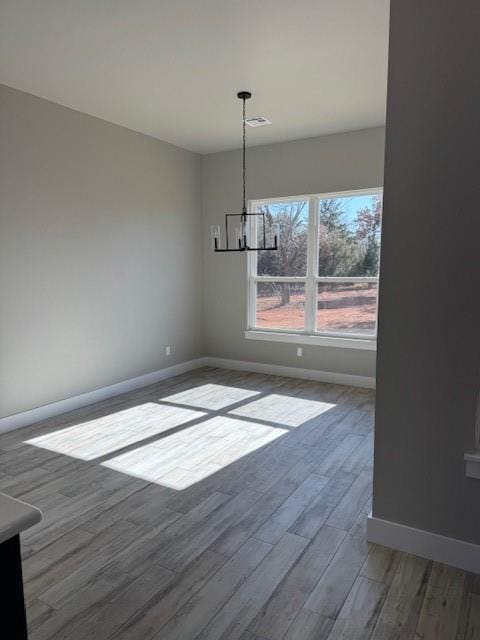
(309,626)
(289,511)
(110,543)
(261,511)
(473,623)
(360,457)
(243,606)
(279,612)
(359,614)
(333,587)
(168,601)
(401,610)
(63,622)
(441,607)
(127,601)
(206,603)
(347,510)
(186,547)
(336,459)
(381,564)
(318,511)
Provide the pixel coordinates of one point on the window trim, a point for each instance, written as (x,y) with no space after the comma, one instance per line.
(311,280)
(316,340)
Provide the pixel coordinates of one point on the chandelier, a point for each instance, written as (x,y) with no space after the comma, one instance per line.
(243,231)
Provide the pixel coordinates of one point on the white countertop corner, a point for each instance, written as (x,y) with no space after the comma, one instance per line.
(16,516)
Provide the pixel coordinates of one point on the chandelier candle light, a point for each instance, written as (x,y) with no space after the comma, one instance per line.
(242,233)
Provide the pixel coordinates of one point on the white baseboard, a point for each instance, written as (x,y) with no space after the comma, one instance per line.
(472,464)
(294,372)
(46,411)
(456,553)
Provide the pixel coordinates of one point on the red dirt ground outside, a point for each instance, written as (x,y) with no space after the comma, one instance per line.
(349,309)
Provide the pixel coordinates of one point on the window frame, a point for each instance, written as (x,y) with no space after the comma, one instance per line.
(310,334)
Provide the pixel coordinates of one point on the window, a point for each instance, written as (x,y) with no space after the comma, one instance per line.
(323,280)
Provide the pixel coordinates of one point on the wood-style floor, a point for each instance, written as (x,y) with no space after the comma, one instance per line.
(219,505)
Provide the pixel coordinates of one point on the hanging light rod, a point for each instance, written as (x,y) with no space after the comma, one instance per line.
(243,232)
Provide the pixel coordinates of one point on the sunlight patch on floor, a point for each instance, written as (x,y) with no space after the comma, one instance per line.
(95,438)
(184,458)
(211,396)
(285,410)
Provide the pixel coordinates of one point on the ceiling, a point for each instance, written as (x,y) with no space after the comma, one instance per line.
(171,69)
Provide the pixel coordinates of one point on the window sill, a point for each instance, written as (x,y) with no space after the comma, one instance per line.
(472,468)
(318,341)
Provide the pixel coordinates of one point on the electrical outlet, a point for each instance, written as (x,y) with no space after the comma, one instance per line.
(168,351)
(299,352)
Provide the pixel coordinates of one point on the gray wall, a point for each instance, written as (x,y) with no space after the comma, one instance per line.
(429,355)
(99,243)
(331,163)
